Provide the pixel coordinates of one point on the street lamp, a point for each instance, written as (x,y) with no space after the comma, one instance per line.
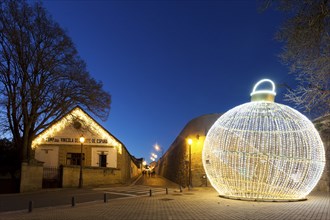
(82,140)
(189,174)
(158,148)
(144,163)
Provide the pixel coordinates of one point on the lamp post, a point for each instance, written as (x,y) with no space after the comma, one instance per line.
(82,140)
(158,148)
(189,174)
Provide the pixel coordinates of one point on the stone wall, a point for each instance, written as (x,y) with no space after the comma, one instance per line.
(174,164)
(135,170)
(92,176)
(129,170)
(31,177)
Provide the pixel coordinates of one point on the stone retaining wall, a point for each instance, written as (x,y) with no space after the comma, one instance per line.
(31,177)
(174,165)
(92,176)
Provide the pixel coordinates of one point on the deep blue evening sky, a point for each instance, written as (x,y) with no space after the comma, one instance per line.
(167,62)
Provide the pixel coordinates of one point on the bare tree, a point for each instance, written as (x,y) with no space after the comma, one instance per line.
(41,74)
(306,51)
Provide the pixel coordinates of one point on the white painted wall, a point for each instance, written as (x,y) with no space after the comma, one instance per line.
(111,153)
(48,155)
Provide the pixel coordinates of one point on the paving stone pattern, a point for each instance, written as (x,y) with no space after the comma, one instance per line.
(198,203)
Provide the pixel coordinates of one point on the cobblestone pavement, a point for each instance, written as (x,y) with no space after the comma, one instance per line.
(198,203)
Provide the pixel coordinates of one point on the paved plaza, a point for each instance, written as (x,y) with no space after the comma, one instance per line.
(198,203)
(194,204)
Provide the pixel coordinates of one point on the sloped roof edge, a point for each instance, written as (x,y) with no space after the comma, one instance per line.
(80,108)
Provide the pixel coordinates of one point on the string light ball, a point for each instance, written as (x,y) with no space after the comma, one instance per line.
(264,151)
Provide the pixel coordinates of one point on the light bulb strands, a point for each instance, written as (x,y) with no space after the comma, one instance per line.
(255,91)
(94,127)
(265,151)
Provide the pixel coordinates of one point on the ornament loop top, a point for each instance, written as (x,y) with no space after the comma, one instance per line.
(263,95)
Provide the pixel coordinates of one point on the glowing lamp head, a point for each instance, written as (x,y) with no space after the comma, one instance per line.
(157,147)
(263,150)
(190,141)
(82,139)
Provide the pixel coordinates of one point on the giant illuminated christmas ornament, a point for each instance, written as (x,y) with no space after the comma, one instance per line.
(263,150)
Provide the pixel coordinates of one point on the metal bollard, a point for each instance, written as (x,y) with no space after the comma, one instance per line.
(30,206)
(150,193)
(105,197)
(166,191)
(180,189)
(73,201)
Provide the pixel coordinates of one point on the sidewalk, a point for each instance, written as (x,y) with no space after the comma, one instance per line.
(197,203)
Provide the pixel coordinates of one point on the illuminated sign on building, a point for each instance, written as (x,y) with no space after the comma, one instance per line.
(76,140)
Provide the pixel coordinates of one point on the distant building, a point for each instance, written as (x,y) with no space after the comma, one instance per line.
(105,159)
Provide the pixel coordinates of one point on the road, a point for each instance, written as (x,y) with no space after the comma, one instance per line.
(63,197)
